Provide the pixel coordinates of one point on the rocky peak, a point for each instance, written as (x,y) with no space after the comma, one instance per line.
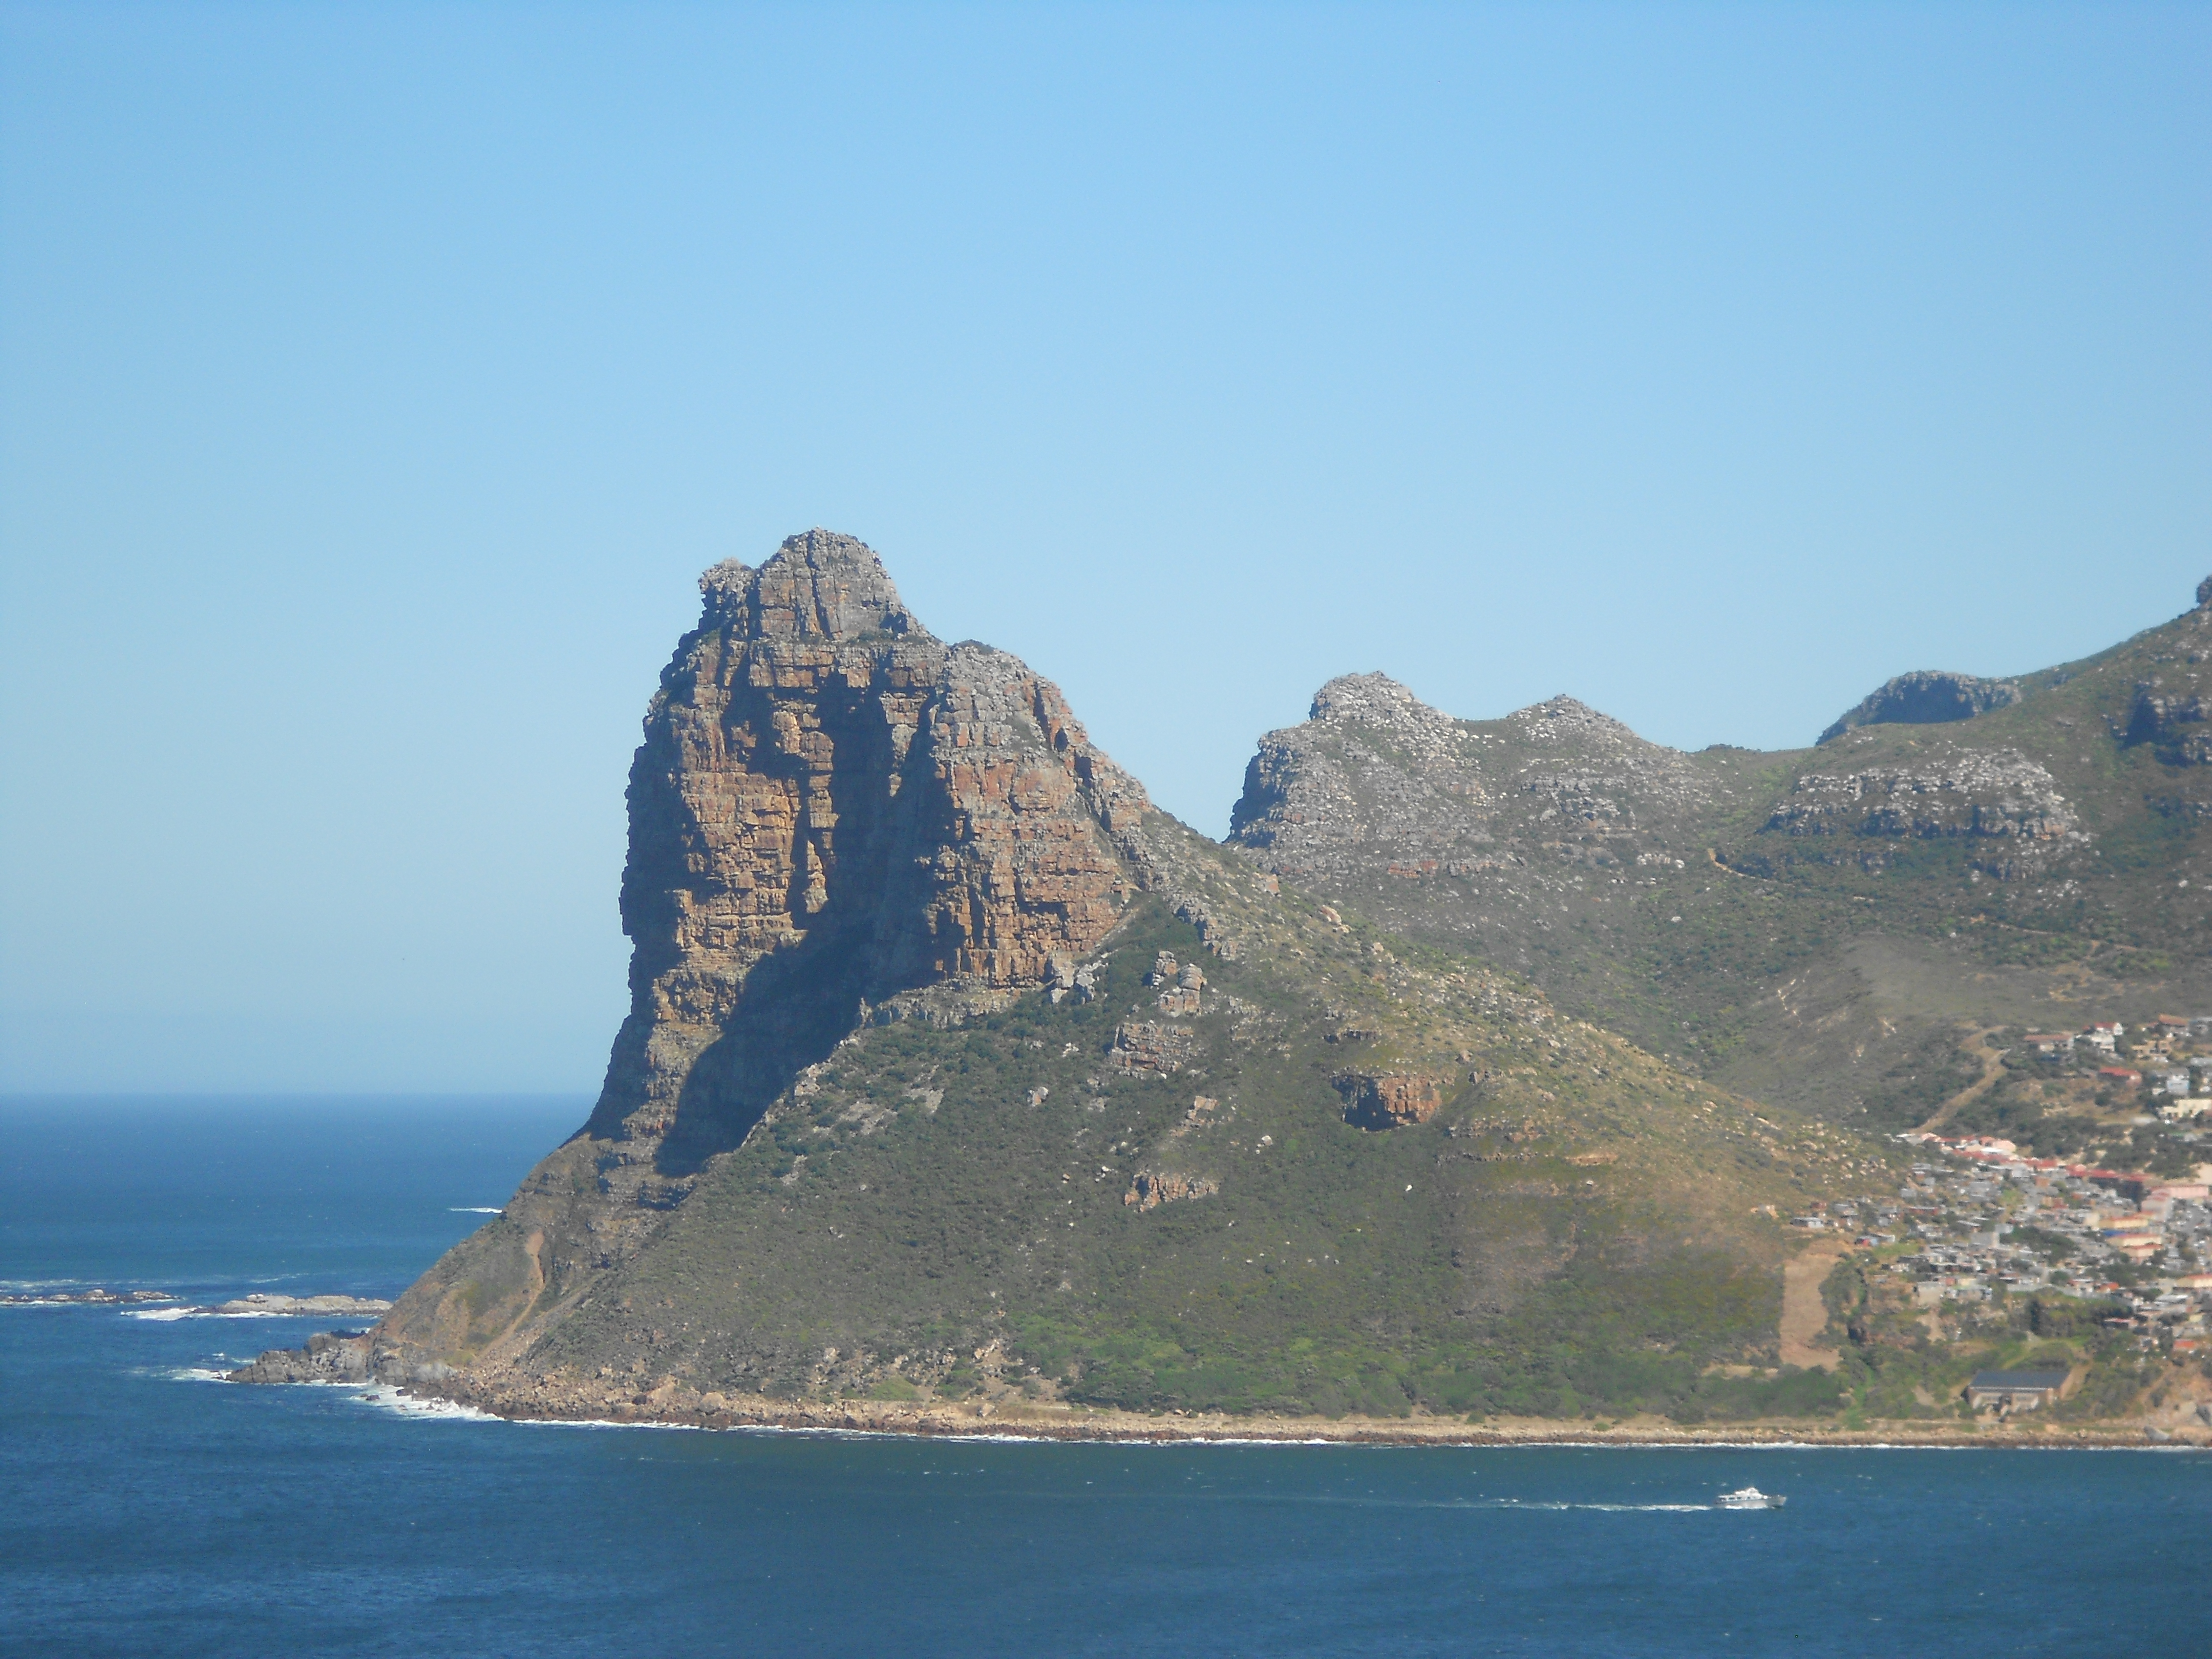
(833,811)
(1372,699)
(818,585)
(1564,720)
(2204,593)
(1926,697)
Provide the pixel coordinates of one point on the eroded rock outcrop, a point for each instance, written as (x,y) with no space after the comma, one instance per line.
(1999,793)
(1149,1046)
(1926,697)
(1377,780)
(1151,1189)
(1389,1100)
(329,1357)
(2173,724)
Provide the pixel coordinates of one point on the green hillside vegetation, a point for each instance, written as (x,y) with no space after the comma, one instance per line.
(1574,1230)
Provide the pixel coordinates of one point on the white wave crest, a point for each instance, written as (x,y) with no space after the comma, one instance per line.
(474,1209)
(383,1396)
(166,1314)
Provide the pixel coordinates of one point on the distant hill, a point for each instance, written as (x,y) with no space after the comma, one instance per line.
(1825,928)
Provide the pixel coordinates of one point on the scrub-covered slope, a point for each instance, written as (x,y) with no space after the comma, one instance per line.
(1820,928)
(953,1065)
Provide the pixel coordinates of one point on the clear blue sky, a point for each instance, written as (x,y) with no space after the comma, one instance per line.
(374,381)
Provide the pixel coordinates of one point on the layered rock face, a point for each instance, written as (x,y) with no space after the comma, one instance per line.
(1925,697)
(832,809)
(1994,792)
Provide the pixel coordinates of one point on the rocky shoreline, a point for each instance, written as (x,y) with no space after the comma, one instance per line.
(1056,1421)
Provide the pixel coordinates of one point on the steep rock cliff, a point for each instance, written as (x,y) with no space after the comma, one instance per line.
(834,818)
(831,809)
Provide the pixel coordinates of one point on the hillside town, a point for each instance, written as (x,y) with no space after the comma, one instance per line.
(1977,1218)
(2171,1060)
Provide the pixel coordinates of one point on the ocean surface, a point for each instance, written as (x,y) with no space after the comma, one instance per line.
(145,1509)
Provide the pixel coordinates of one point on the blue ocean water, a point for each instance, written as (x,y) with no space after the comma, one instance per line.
(142,1511)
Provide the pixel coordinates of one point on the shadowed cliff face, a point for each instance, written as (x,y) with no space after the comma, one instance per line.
(832,810)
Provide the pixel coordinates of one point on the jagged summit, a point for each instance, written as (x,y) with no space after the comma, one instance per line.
(818,585)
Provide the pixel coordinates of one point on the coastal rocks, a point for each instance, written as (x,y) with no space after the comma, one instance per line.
(1998,792)
(1387,1100)
(329,1357)
(1150,1190)
(1926,698)
(263,1304)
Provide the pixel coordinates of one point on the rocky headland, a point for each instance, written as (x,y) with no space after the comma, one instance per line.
(1464,1088)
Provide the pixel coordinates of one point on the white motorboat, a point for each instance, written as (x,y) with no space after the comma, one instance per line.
(1749,1498)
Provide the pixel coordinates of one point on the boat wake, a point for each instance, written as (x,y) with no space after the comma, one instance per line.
(1606,1508)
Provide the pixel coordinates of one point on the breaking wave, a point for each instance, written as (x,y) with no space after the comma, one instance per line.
(383,1396)
(165,1315)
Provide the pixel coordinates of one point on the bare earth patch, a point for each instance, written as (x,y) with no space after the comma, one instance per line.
(1804,1316)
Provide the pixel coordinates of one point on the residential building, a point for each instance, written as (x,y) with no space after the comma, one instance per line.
(2015,1390)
